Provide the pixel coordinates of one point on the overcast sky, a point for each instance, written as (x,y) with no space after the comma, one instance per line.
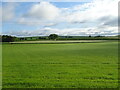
(96,17)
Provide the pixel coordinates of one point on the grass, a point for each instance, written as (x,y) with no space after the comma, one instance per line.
(77,65)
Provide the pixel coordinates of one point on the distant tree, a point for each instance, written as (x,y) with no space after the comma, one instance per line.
(7,38)
(31,38)
(89,35)
(70,37)
(99,36)
(42,38)
(0,38)
(53,36)
(22,38)
(39,37)
(25,38)
(66,36)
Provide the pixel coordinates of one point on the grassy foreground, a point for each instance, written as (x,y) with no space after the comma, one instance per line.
(80,65)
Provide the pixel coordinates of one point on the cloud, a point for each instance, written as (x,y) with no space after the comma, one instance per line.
(84,13)
(111,22)
(43,10)
(92,12)
(0,14)
(35,22)
(43,13)
(70,32)
(50,24)
(99,17)
(8,12)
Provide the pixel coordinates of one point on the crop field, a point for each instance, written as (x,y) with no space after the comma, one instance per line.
(71,65)
(58,42)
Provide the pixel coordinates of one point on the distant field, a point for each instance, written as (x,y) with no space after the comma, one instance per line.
(58,41)
(73,65)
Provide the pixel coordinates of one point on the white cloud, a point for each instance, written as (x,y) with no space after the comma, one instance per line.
(35,22)
(44,11)
(92,12)
(100,17)
(71,31)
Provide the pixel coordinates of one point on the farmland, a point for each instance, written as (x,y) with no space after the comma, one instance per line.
(71,65)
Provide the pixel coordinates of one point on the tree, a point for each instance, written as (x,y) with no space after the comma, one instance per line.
(22,38)
(53,36)
(90,36)
(7,38)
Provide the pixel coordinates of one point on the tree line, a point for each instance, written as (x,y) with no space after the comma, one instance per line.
(8,38)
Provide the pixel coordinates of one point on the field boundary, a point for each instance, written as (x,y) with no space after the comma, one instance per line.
(58,42)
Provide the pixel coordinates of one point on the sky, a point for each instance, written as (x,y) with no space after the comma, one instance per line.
(96,17)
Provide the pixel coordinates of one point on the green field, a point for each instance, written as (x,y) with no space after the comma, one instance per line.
(73,65)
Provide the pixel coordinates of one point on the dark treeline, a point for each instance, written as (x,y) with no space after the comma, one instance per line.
(70,38)
(8,38)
